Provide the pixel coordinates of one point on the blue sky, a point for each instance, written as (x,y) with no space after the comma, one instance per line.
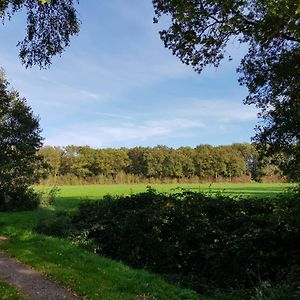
(117,86)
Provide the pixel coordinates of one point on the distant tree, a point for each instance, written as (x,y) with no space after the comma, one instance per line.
(50,25)
(85,164)
(199,33)
(250,156)
(104,162)
(137,161)
(156,161)
(19,142)
(187,161)
(203,161)
(120,160)
(82,161)
(219,162)
(52,157)
(235,164)
(172,165)
(67,159)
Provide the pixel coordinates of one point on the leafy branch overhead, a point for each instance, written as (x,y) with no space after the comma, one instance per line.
(50,25)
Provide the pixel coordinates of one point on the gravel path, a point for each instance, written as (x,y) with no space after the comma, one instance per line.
(31,283)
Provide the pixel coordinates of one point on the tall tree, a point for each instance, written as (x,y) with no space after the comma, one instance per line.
(199,33)
(19,142)
(187,155)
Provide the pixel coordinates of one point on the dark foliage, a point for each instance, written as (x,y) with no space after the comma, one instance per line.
(18,198)
(19,142)
(57,225)
(276,90)
(197,240)
(49,28)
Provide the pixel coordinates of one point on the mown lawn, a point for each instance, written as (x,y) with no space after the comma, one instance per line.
(90,275)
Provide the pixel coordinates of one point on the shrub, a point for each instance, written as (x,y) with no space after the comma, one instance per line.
(48,198)
(198,240)
(19,198)
(58,224)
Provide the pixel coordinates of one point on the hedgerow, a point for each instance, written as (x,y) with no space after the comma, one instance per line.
(202,241)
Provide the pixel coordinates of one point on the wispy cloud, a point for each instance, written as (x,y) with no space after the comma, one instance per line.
(111,115)
(221,110)
(97,135)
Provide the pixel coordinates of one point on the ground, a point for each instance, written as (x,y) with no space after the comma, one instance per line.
(87,274)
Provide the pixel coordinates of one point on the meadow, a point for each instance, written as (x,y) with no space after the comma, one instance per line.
(69,196)
(91,275)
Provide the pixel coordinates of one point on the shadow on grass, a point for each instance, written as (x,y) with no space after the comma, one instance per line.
(238,193)
(71,203)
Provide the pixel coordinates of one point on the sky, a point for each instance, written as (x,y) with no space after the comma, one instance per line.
(117,86)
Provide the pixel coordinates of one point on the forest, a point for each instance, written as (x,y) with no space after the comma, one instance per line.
(203,163)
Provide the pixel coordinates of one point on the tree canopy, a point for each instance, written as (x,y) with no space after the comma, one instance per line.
(50,25)
(19,142)
(199,33)
(82,164)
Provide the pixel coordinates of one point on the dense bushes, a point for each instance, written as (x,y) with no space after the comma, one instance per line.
(202,241)
(19,198)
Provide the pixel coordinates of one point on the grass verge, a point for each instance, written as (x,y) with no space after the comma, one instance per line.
(7,292)
(88,275)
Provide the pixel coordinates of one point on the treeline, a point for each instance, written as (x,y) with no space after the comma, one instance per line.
(82,164)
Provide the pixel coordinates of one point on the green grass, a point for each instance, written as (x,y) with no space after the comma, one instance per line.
(7,292)
(90,275)
(87,274)
(70,196)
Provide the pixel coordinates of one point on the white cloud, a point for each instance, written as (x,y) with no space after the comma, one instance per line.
(178,123)
(89,94)
(111,115)
(223,111)
(97,135)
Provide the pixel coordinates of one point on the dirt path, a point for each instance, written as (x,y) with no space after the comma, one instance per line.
(31,283)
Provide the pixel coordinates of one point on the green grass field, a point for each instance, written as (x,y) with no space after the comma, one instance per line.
(70,196)
(90,275)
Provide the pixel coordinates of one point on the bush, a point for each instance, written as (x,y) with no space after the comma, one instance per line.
(19,198)
(201,241)
(58,224)
(48,198)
